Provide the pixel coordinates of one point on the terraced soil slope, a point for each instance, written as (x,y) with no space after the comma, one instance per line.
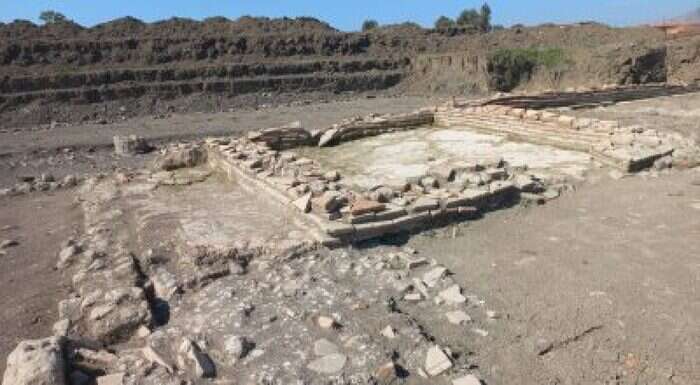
(65,73)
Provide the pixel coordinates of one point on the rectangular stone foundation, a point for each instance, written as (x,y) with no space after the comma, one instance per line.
(337,214)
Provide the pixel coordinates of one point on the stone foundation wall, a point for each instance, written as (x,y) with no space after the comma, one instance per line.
(629,148)
(374,125)
(337,215)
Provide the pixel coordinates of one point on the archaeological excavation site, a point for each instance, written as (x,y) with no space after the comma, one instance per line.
(277,202)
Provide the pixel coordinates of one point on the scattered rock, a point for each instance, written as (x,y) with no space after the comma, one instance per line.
(191,356)
(164,284)
(330,201)
(330,364)
(436,361)
(663,163)
(47,178)
(6,244)
(61,328)
(382,194)
(65,257)
(429,182)
(111,379)
(413,297)
(130,145)
(69,181)
(237,347)
(389,332)
(453,295)
(432,277)
(155,357)
(386,374)
(37,362)
(303,203)
(326,322)
(458,317)
(332,176)
(323,347)
(492,314)
(414,263)
(182,158)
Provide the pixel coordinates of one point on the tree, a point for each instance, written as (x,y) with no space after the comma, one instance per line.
(469,18)
(478,20)
(485,18)
(369,25)
(50,17)
(444,22)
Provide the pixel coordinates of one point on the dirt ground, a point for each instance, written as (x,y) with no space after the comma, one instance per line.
(599,286)
(677,113)
(88,148)
(30,286)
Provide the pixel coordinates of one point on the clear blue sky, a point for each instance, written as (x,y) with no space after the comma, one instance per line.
(348,15)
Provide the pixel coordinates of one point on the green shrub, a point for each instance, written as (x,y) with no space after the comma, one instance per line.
(478,20)
(51,17)
(507,67)
(444,22)
(369,25)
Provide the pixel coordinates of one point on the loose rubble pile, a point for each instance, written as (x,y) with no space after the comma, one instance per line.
(45,182)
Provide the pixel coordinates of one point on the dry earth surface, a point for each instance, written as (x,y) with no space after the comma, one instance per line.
(598,286)
(29,282)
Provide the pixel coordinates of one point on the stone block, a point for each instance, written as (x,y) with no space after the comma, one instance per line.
(338,229)
(424,204)
(388,215)
(130,145)
(365,206)
(413,221)
(372,230)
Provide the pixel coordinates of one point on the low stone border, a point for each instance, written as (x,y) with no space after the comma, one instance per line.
(629,148)
(338,215)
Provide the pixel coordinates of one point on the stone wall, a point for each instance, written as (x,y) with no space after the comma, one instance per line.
(629,148)
(372,125)
(338,215)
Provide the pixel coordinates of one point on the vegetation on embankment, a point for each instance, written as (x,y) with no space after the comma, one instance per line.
(508,67)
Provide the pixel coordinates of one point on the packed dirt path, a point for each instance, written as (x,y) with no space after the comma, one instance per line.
(30,286)
(599,286)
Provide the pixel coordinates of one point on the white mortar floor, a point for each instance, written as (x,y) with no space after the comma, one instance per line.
(217,213)
(393,158)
